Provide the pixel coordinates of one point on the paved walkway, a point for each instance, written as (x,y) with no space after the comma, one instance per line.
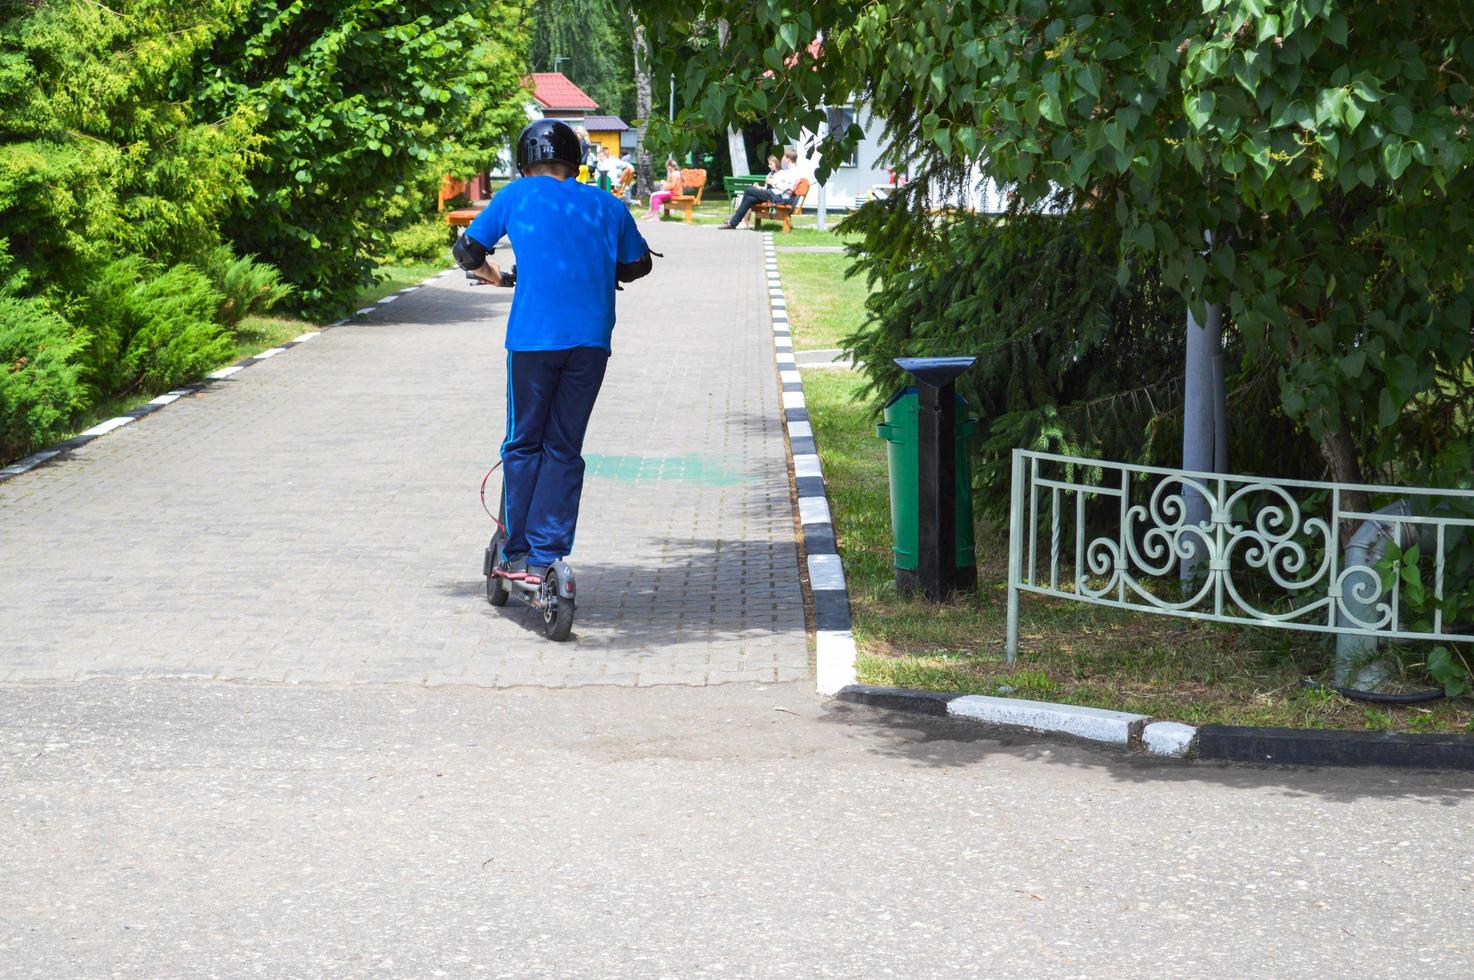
(317,520)
(739,830)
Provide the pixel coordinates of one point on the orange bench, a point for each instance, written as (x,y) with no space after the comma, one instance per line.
(462,217)
(621,188)
(775,211)
(691,180)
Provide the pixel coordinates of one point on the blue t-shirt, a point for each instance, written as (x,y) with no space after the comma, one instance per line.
(567,237)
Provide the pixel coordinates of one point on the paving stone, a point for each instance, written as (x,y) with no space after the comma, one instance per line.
(315,518)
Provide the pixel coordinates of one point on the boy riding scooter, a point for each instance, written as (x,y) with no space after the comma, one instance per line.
(573,242)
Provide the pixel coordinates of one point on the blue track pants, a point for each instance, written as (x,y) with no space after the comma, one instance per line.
(550,396)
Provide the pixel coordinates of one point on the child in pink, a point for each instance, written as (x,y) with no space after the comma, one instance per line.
(666,189)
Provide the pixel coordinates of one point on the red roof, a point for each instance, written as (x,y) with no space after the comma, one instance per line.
(555,91)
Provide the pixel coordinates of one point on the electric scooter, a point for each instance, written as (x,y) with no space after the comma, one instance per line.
(553,596)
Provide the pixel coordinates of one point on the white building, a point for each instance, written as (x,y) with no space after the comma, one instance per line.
(863,177)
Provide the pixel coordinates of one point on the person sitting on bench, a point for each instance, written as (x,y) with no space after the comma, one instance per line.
(778,189)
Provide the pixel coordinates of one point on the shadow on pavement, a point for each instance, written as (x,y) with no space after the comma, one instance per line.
(707,589)
(938,742)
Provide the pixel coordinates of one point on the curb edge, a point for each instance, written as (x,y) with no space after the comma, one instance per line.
(1242,744)
(834,639)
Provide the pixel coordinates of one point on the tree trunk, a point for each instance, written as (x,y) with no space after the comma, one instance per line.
(1339,453)
(736,146)
(643,177)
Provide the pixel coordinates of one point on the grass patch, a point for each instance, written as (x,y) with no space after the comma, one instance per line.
(1069,652)
(804,235)
(393,278)
(823,306)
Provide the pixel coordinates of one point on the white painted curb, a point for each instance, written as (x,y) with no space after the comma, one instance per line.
(1170,739)
(834,643)
(834,657)
(1094,724)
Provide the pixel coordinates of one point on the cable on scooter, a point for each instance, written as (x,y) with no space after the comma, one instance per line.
(499,525)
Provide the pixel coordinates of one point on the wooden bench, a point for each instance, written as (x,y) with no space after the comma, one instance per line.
(786,212)
(463,217)
(622,186)
(691,180)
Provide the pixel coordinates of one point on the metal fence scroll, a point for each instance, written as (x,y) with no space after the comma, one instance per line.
(1287,554)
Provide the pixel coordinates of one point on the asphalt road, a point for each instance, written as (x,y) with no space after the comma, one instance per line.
(183,829)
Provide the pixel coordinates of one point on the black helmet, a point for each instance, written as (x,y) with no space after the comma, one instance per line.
(548,140)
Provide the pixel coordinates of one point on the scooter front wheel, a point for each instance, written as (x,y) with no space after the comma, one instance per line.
(557,610)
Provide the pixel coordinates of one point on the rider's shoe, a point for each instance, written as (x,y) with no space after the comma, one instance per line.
(536,574)
(513,567)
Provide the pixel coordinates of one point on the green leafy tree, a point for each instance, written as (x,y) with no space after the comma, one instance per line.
(590,41)
(498,101)
(1322,145)
(355,101)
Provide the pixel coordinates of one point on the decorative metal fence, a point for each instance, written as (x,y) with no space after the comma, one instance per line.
(1287,554)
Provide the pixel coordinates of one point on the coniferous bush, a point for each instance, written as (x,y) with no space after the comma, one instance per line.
(247,286)
(151,328)
(41,387)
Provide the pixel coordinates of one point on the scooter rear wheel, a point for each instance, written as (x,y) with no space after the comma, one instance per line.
(557,610)
(496,587)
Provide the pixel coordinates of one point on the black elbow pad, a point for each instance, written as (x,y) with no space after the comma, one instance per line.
(469,253)
(630,271)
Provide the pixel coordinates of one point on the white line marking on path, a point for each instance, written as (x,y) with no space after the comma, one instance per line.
(223,373)
(103,428)
(805,464)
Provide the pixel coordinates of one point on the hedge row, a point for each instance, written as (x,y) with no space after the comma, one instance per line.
(159,162)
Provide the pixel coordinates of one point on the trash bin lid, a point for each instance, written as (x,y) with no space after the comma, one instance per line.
(935,371)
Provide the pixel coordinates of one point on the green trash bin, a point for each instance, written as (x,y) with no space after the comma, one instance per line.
(900,431)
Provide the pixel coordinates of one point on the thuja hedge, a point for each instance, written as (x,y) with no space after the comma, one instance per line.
(159,162)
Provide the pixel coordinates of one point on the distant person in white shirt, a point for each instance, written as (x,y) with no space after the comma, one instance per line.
(610,168)
(778,189)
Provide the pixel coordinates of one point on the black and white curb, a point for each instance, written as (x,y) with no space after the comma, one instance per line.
(834,642)
(1120,728)
(101,429)
(1171,740)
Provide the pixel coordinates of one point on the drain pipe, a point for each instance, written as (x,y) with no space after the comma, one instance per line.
(1365,549)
